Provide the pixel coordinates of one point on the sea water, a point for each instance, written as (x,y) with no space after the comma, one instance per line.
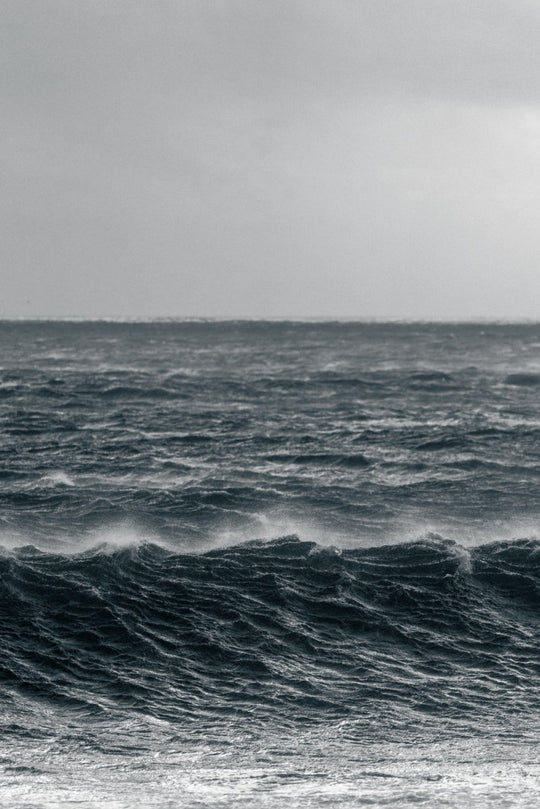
(269,564)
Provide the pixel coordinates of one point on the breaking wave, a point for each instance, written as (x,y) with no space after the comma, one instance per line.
(286,628)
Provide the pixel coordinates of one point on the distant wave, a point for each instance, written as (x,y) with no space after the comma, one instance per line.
(523,379)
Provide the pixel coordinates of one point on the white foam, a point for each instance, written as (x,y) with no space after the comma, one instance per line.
(107,539)
(270,526)
(58,477)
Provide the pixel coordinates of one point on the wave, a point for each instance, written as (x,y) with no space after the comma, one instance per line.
(523,379)
(321,459)
(286,627)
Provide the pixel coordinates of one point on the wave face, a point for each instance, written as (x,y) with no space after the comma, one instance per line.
(272,671)
(160,644)
(285,629)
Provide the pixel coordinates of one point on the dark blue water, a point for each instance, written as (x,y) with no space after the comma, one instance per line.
(268,564)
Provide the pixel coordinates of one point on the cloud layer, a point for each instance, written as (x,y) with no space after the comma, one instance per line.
(271,158)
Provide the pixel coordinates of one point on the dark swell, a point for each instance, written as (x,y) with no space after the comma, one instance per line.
(287,626)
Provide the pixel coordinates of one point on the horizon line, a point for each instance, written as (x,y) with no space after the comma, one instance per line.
(277,319)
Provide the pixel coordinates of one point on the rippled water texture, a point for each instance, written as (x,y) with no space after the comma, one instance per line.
(256,564)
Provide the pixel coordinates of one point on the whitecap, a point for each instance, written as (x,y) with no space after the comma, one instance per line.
(58,478)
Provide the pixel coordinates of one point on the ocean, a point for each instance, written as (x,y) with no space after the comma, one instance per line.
(262,564)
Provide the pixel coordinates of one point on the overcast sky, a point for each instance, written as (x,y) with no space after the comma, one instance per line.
(270,158)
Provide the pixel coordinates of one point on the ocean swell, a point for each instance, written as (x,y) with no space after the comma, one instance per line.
(277,628)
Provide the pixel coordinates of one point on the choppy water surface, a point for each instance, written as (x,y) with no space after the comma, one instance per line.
(269,565)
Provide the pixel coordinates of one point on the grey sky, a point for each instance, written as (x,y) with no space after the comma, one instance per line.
(266,158)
